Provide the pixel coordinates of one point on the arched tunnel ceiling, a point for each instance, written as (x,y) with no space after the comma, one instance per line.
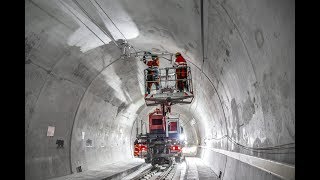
(77,82)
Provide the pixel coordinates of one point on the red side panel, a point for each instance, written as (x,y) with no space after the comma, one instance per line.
(173,126)
(156,122)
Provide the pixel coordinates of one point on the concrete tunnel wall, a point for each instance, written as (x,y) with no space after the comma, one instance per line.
(76,82)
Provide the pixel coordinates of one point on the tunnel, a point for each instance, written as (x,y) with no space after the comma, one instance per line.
(84,100)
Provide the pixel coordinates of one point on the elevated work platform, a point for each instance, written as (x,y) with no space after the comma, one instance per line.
(168,85)
(174,98)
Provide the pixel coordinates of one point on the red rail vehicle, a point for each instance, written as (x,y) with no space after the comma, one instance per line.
(163,87)
(162,142)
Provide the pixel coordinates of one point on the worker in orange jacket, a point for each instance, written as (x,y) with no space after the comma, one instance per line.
(181,72)
(153,72)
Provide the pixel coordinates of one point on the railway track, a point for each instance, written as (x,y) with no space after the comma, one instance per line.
(157,173)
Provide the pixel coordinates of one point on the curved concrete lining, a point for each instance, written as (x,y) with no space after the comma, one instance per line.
(77,82)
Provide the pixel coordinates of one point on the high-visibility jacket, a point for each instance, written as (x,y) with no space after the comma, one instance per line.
(182,71)
(154,63)
(149,63)
(180,61)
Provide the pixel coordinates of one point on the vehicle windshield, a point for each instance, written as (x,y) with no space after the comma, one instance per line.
(156,121)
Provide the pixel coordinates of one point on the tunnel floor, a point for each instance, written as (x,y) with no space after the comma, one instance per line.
(110,170)
(191,168)
(194,168)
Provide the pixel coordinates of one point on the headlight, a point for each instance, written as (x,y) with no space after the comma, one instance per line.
(181,137)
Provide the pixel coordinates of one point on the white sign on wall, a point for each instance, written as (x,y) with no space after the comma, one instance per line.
(82,137)
(50,131)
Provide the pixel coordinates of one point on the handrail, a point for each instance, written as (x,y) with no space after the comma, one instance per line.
(163,78)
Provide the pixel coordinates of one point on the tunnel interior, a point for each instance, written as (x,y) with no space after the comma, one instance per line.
(78,85)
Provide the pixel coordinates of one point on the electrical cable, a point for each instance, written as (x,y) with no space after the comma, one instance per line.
(202,33)
(260,150)
(279,147)
(119,29)
(82,22)
(110,19)
(95,23)
(114,25)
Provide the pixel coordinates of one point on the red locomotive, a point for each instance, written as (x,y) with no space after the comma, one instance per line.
(162,142)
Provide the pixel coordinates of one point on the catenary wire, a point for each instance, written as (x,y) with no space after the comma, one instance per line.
(94,22)
(114,25)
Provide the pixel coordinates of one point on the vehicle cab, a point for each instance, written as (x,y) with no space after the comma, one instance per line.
(157,123)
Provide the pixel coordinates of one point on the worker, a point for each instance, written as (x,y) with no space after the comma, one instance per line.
(181,72)
(168,107)
(153,72)
(145,56)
